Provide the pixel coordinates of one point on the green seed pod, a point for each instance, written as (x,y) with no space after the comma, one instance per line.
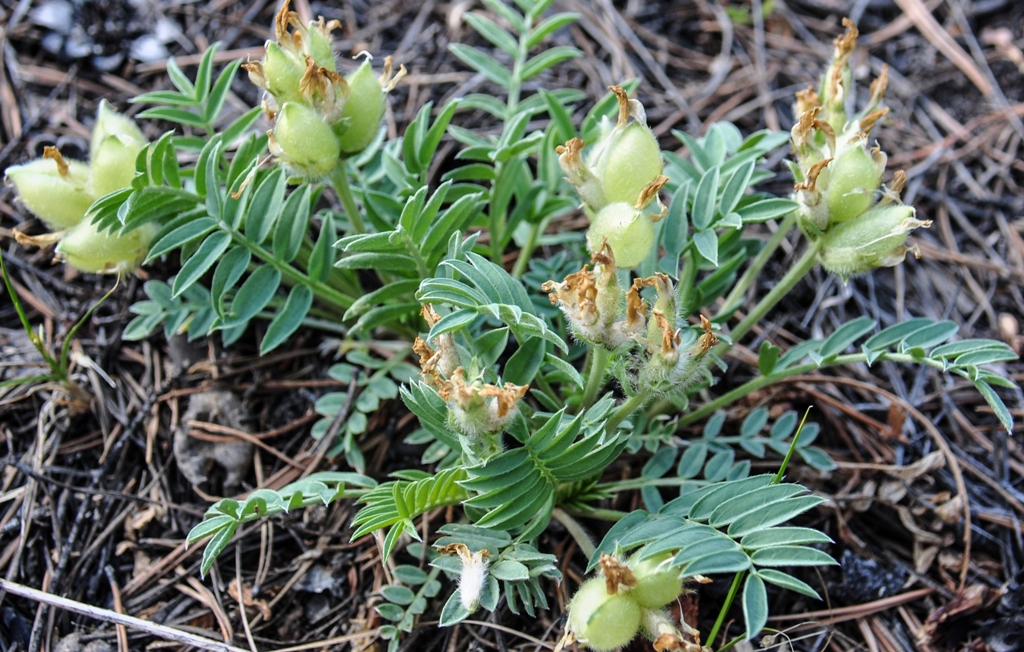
(320,44)
(628,232)
(59,199)
(88,250)
(853,179)
(875,239)
(630,163)
(363,110)
(603,621)
(303,141)
(112,165)
(110,123)
(656,584)
(282,72)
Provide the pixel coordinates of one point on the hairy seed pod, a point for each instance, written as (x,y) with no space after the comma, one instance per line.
(88,250)
(304,141)
(628,232)
(631,163)
(875,239)
(59,199)
(603,621)
(363,110)
(657,583)
(854,178)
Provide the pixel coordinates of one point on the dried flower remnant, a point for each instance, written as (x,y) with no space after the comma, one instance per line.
(473,576)
(440,363)
(479,408)
(590,299)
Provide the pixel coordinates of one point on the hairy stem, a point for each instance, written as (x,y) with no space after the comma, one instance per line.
(686,284)
(631,405)
(322,291)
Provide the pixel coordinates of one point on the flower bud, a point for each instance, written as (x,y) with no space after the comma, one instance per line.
(854,177)
(875,239)
(601,620)
(87,249)
(304,142)
(53,188)
(629,233)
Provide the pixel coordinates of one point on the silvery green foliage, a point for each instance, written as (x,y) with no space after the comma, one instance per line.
(252,246)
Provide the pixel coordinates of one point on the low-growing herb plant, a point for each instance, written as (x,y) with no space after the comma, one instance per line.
(532,380)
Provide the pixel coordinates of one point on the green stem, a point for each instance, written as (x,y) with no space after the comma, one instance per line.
(579,535)
(760,261)
(763,381)
(785,284)
(631,405)
(339,180)
(640,483)
(546,387)
(596,375)
(733,643)
(527,250)
(610,515)
(733,590)
(320,290)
